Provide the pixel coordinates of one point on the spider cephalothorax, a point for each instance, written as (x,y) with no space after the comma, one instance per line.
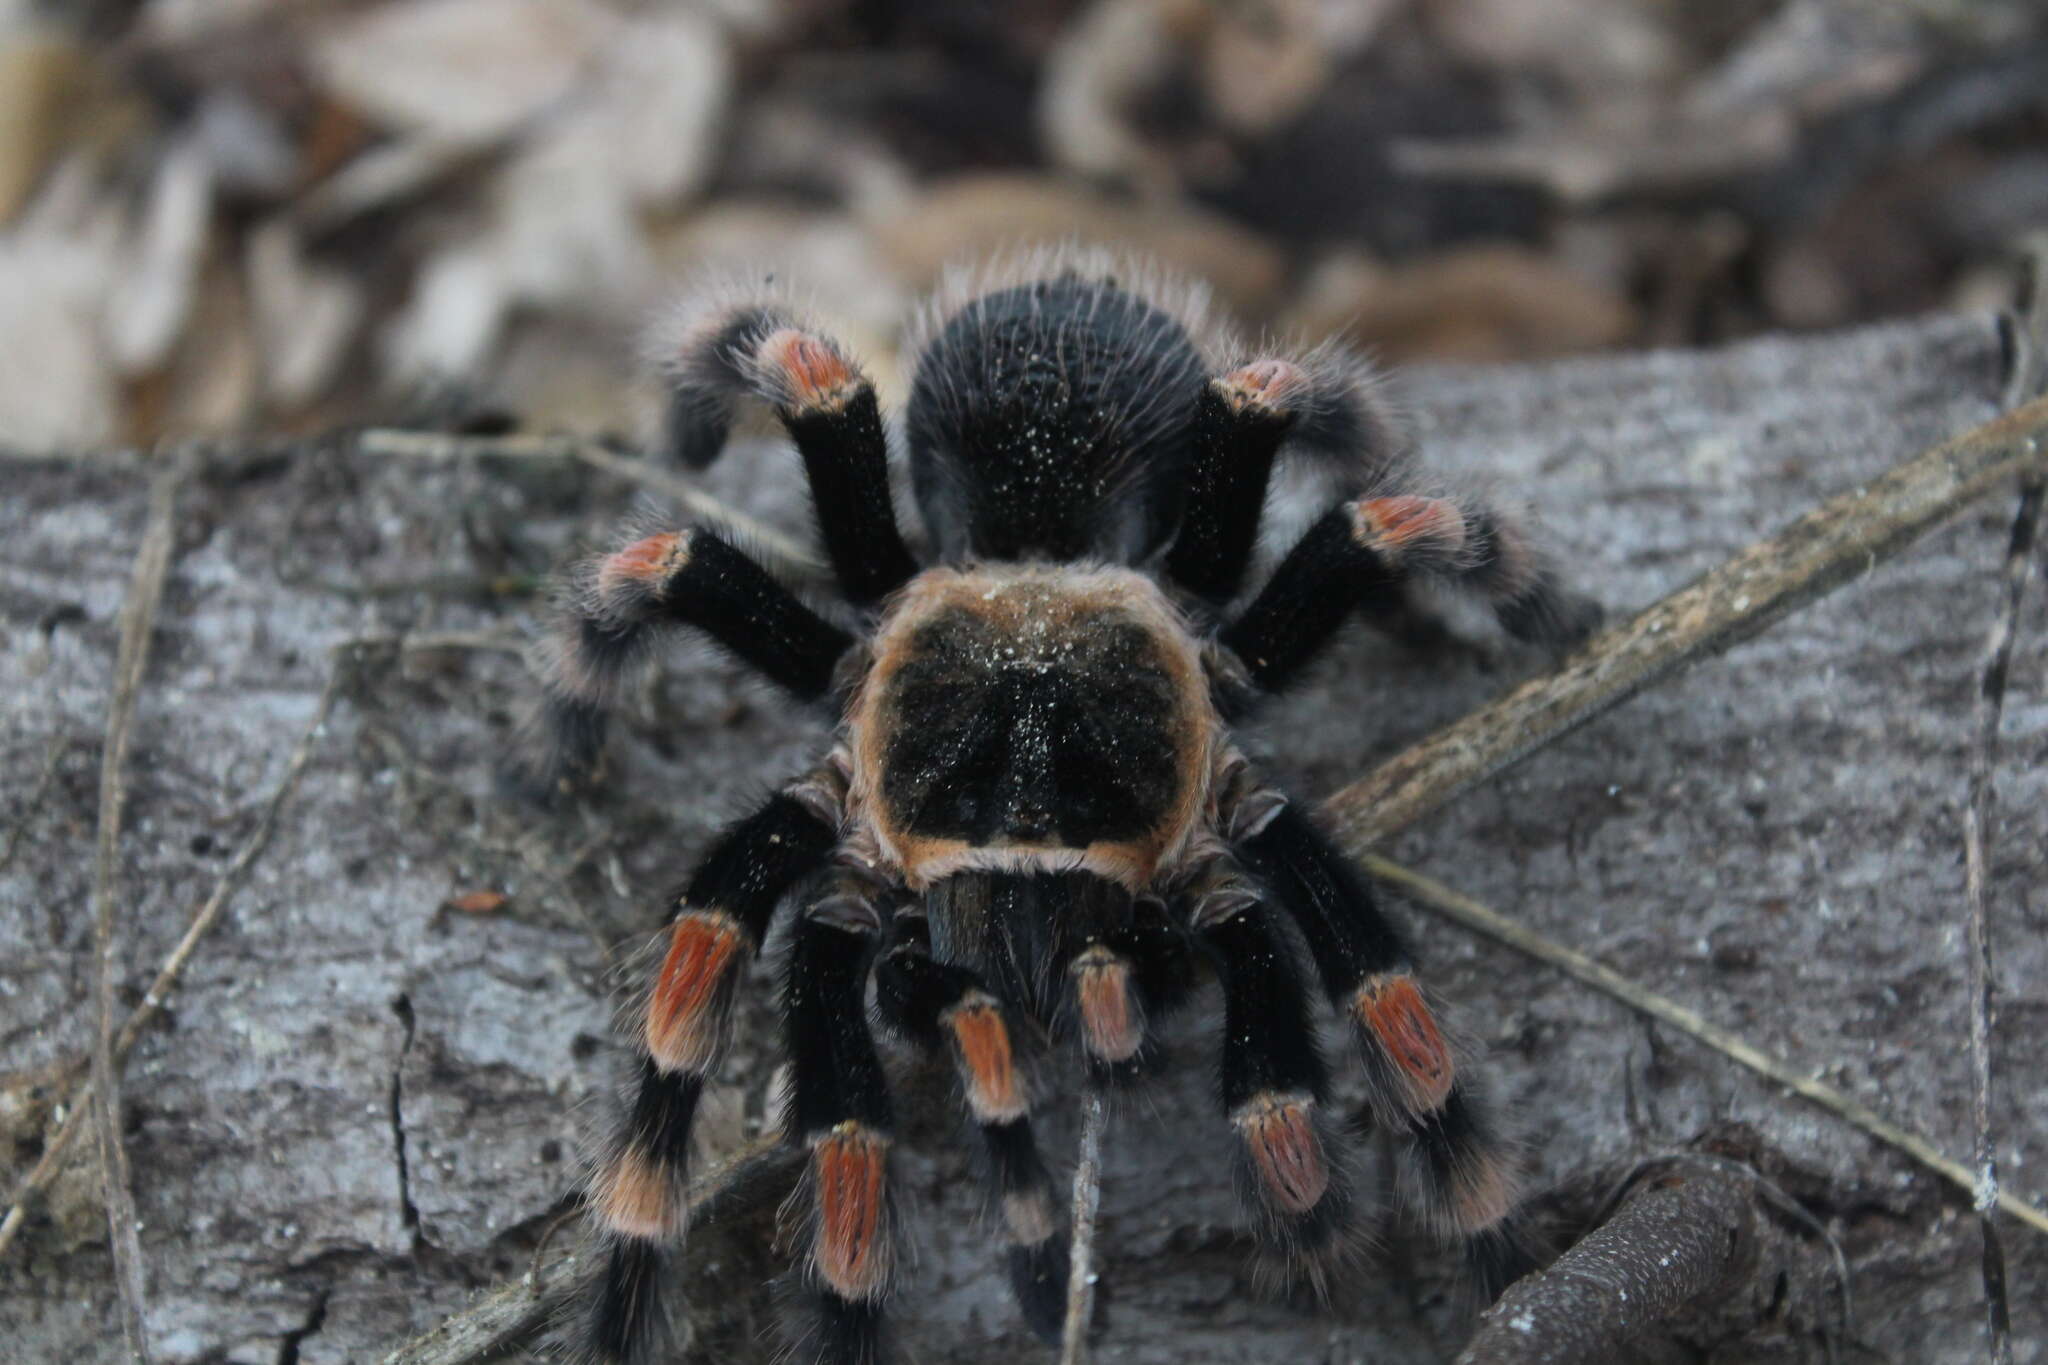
(1035,824)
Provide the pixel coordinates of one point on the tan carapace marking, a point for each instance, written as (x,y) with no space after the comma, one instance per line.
(636,1197)
(1279,1136)
(1033,603)
(850,1246)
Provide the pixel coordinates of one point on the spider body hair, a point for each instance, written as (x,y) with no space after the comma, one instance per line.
(1034,826)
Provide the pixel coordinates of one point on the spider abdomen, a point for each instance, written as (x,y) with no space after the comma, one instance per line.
(1053,419)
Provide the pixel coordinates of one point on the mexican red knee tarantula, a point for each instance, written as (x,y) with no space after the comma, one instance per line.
(1035,826)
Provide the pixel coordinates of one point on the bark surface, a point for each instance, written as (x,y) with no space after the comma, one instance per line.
(366,1103)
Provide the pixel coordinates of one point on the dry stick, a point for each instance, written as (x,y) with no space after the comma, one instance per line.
(131,660)
(140,1018)
(1976,857)
(2026,329)
(1498,927)
(1824,549)
(431,445)
(1676,1241)
(1081,1275)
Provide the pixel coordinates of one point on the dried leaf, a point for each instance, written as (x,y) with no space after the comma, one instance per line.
(471,70)
(152,298)
(305,316)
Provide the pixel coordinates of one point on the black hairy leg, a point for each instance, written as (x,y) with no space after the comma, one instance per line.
(947,1011)
(840,1113)
(1368,555)
(1240,421)
(717,923)
(619,604)
(1461,1173)
(1324,406)
(829,408)
(1275,1092)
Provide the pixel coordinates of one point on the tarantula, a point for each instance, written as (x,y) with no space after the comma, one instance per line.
(1034,827)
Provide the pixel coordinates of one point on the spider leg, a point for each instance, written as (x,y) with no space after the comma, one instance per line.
(1366,555)
(946,1010)
(1240,421)
(1322,405)
(621,602)
(1275,1089)
(840,1111)
(638,1196)
(1467,1183)
(829,409)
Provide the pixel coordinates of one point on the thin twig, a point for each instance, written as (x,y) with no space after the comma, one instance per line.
(431,445)
(1483,920)
(1081,1275)
(76,1104)
(2028,332)
(131,661)
(1824,549)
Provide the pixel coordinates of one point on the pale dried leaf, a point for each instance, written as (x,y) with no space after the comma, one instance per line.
(652,108)
(459,303)
(244,143)
(465,69)
(152,297)
(305,316)
(57,383)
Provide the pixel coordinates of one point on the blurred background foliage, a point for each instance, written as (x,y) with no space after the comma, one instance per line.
(221,216)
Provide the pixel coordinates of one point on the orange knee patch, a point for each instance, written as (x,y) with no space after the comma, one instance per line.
(1279,1136)
(645,562)
(1481,1192)
(811,373)
(636,1197)
(987,1064)
(1262,384)
(1391,1010)
(849,1168)
(1110,1022)
(1398,525)
(686,1012)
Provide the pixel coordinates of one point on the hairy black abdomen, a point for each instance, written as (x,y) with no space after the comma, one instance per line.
(1051,421)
